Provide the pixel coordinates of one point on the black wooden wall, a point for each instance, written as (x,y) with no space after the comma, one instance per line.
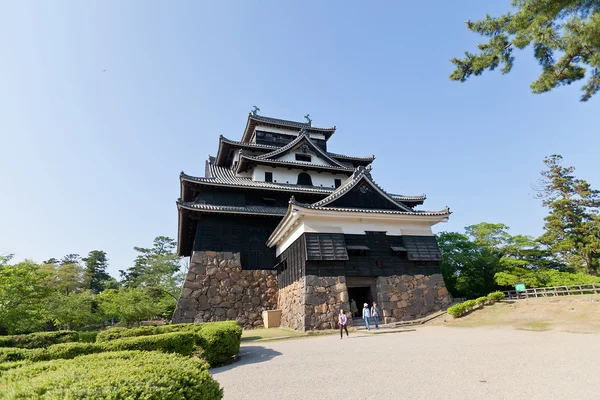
(244,234)
(278,139)
(244,197)
(291,263)
(379,260)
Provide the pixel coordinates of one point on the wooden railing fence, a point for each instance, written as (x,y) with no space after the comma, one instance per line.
(588,288)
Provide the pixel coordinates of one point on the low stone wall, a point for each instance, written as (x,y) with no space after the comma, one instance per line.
(407,297)
(322,301)
(217,289)
(290,301)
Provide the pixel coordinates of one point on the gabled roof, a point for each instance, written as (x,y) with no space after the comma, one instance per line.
(225,146)
(255,119)
(298,210)
(360,175)
(302,139)
(246,161)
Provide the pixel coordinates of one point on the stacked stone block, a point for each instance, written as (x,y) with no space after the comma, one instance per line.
(217,289)
(408,297)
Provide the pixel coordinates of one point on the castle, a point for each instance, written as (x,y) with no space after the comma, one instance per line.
(280,222)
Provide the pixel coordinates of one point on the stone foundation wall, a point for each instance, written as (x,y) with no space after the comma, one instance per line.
(290,301)
(322,301)
(407,297)
(217,289)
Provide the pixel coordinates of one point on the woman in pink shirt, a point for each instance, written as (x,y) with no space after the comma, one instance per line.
(343,321)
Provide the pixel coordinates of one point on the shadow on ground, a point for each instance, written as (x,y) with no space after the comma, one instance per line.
(249,355)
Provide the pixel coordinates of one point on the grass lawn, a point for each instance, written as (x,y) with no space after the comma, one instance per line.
(578,314)
(253,335)
(263,333)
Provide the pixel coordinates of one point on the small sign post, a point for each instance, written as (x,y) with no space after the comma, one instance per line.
(520,287)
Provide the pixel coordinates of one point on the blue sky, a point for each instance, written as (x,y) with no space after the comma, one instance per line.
(103,103)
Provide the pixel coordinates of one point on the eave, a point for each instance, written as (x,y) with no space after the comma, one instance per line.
(246,162)
(297,211)
(255,119)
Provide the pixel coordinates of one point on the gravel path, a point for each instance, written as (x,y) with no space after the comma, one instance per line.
(430,363)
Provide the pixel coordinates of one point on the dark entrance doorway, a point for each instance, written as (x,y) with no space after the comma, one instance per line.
(361,295)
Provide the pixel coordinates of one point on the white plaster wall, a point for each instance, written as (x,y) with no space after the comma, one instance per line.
(296,233)
(355,226)
(284,175)
(314,158)
(358,226)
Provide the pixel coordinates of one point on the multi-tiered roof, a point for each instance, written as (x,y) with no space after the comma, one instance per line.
(268,147)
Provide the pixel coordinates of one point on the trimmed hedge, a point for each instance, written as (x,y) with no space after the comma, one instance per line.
(183,343)
(178,342)
(39,339)
(220,341)
(120,333)
(115,375)
(88,337)
(460,309)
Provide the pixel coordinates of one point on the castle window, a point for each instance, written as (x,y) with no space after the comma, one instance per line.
(337,182)
(268,177)
(304,179)
(303,157)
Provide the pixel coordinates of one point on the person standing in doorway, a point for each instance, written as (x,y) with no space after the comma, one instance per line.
(353,308)
(343,322)
(366,315)
(375,314)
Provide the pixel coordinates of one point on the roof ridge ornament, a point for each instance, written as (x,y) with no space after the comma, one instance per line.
(254,111)
(309,121)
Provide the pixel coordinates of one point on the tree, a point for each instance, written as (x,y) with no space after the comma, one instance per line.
(128,305)
(158,270)
(69,259)
(23,297)
(72,310)
(572,227)
(95,276)
(5,259)
(564,34)
(468,267)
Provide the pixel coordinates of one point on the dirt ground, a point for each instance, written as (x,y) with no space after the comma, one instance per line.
(532,349)
(579,314)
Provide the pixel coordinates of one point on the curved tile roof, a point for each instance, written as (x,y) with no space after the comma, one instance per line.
(226,177)
(259,160)
(264,210)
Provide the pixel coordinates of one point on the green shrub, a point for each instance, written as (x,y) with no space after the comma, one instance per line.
(117,375)
(481,300)
(39,339)
(183,343)
(456,310)
(469,304)
(495,296)
(88,337)
(220,341)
